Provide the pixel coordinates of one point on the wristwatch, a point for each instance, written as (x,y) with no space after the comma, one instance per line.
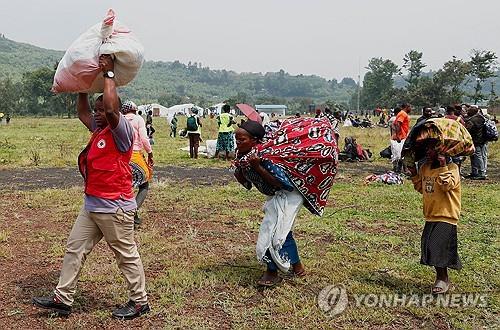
(109,74)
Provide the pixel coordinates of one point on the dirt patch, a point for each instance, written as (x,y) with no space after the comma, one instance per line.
(61,178)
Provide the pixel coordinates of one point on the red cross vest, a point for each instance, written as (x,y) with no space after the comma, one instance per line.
(105,169)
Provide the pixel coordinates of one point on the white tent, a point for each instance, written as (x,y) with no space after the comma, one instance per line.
(161,111)
(158,109)
(184,109)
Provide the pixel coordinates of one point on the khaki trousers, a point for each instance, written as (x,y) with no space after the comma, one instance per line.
(118,231)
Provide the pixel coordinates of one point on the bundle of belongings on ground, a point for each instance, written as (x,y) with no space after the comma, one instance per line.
(389,177)
(302,154)
(354,151)
(78,70)
(451,138)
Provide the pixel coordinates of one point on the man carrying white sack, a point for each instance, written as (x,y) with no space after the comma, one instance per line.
(109,203)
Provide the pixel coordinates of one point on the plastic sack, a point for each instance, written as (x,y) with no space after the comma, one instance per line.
(78,70)
(396,149)
(211,148)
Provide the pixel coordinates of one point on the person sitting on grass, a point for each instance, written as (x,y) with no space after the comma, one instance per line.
(281,203)
(354,151)
(439,183)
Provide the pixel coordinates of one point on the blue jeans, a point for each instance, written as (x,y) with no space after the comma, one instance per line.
(289,249)
(479,160)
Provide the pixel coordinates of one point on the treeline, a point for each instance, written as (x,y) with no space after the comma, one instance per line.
(26,74)
(175,83)
(32,95)
(171,83)
(25,85)
(456,82)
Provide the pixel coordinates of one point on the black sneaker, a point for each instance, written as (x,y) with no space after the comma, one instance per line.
(52,303)
(479,177)
(130,310)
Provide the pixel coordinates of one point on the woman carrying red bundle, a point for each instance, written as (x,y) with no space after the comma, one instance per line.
(295,167)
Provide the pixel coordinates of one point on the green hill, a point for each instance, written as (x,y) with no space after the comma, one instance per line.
(171,81)
(17,58)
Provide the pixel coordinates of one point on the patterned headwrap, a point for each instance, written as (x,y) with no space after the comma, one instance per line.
(128,106)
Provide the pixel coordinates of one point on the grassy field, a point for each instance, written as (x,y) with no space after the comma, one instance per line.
(54,142)
(197,245)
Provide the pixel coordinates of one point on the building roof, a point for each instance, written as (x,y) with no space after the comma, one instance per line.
(270,106)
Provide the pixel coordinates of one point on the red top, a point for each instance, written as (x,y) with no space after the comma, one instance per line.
(105,169)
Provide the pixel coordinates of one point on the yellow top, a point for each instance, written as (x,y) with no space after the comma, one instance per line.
(441,190)
(225,123)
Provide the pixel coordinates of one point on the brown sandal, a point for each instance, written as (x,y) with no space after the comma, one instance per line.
(269,283)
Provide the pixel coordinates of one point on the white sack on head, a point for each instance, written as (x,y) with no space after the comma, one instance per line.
(78,70)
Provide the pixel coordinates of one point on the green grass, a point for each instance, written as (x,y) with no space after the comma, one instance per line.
(201,270)
(198,246)
(55,142)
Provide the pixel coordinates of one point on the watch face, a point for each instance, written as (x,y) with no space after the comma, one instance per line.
(110,74)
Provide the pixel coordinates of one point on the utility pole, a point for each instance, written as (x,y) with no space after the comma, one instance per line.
(359,84)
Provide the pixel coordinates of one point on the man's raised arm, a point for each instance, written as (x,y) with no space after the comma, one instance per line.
(83,109)
(110,97)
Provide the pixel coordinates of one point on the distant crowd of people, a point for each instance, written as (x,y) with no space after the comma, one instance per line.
(470,116)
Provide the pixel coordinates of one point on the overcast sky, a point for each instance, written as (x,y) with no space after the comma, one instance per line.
(330,38)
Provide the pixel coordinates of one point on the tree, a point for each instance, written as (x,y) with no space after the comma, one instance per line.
(452,77)
(36,90)
(349,82)
(378,81)
(37,97)
(483,65)
(169,99)
(412,62)
(11,95)
(494,101)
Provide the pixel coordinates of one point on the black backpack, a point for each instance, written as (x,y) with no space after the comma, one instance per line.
(490,131)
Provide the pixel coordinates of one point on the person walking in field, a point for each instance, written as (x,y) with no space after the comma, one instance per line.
(479,160)
(225,138)
(150,130)
(439,183)
(109,203)
(142,169)
(288,182)
(399,131)
(173,126)
(193,128)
